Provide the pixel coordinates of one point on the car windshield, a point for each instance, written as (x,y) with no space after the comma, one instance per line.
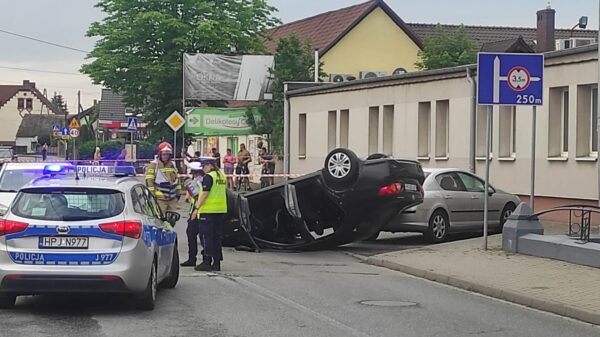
(13,180)
(5,153)
(63,204)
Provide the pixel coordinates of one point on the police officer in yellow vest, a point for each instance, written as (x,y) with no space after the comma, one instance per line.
(162,179)
(211,209)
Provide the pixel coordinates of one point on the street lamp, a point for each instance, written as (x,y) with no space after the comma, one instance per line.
(583,22)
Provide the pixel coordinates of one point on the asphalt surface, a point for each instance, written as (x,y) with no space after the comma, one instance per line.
(326,293)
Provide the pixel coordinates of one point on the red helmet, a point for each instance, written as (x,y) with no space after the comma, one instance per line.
(165,147)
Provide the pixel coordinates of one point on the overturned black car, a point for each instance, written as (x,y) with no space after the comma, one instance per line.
(348,200)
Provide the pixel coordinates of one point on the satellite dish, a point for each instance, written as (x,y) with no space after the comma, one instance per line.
(400,71)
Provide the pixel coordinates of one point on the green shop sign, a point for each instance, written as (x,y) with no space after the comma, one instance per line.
(217,122)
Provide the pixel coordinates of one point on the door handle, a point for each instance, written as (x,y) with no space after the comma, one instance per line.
(448,196)
(474,197)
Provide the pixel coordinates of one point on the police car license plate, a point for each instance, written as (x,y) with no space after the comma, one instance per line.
(72,242)
(410,187)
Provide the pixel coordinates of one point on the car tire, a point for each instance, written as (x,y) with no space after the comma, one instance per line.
(506,212)
(171,281)
(341,168)
(7,301)
(438,227)
(147,299)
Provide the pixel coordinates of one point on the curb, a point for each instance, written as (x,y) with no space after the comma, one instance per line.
(506,295)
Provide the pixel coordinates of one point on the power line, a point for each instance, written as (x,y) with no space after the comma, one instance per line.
(41,71)
(42,41)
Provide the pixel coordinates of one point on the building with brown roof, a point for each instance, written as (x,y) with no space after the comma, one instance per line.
(16,101)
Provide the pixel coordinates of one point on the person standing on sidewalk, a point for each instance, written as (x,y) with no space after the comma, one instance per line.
(193,188)
(162,179)
(45,152)
(211,209)
(228,163)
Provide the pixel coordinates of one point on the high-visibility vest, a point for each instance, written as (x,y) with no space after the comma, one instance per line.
(216,202)
(194,200)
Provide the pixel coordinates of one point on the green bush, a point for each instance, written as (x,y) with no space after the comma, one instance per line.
(146,150)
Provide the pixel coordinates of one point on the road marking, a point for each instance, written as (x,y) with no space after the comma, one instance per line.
(270,294)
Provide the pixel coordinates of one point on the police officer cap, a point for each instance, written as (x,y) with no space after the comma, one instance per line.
(195,166)
(207,160)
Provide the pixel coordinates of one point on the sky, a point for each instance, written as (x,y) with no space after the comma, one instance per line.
(65,22)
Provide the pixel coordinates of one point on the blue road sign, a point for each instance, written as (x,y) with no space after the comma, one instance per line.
(65,131)
(132,124)
(510,79)
(55,128)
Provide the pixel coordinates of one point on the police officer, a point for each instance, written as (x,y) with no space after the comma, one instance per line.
(162,179)
(194,188)
(211,209)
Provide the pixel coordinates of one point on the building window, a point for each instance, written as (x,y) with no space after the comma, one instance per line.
(232,143)
(344,127)
(441,128)
(302,136)
(587,114)
(21,104)
(331,129)
(29,104)
(558,126)
(373,129)
(508,132)
(424,120)
(388,129)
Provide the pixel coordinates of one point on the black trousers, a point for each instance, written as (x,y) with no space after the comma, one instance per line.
(211,226)
(193,233)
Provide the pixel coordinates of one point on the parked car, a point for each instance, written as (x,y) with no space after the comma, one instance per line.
(348,200)
(454,202)
(13,176)
(6,154)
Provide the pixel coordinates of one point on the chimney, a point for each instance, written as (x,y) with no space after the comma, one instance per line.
(28,84)
(545,30)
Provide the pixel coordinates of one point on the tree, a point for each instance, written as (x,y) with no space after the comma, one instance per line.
(141,43)
(446,50)
(60,103)
(294,61)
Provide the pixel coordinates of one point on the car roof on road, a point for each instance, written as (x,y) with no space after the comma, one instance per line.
(70,181)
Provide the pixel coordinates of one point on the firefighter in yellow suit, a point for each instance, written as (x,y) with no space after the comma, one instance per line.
(162,179)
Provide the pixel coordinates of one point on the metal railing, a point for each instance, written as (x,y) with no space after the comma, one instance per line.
(580,219)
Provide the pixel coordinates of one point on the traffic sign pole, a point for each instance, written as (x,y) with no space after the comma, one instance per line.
(533,138)
(488,150)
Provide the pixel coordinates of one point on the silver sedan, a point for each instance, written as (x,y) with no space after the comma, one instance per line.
(453,203)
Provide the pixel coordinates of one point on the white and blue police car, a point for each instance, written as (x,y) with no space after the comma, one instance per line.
(99,230)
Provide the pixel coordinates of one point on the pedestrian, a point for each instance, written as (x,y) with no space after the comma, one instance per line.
(97,156)
(244,158)
(162,179)
(217,156)
(211,209)
(45,152)
(193,189)
(121,158)
(268,166)
(228,164)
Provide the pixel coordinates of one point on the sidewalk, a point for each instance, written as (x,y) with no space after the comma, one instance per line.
(549,285)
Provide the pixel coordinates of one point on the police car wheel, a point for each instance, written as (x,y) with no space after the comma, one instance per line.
(171,281)
(341,168)
(147,299)
(7,301)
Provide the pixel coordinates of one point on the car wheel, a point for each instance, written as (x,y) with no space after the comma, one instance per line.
(7,301)
(506,212)
(148,297)
(341,168)
(438,227)
(171,281)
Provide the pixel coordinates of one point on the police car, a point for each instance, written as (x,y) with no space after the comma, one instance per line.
(86,232)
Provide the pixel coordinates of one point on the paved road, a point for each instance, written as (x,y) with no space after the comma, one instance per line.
(288,294)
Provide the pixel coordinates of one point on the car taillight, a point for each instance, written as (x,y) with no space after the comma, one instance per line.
(132,229)
(11,227)
(391,189)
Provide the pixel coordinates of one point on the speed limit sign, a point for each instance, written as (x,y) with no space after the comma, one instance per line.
(74,133)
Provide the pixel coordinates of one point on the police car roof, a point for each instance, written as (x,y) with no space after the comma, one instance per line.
(25,166)
(70,181)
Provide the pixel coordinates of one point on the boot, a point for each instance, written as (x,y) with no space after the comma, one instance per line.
(216,266)
(189,263)
(204,266)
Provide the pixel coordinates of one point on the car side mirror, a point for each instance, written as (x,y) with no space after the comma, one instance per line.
(3,210)
(172,218)
(491,191)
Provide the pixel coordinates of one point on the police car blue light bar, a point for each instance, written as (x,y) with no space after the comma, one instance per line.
(53,169)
